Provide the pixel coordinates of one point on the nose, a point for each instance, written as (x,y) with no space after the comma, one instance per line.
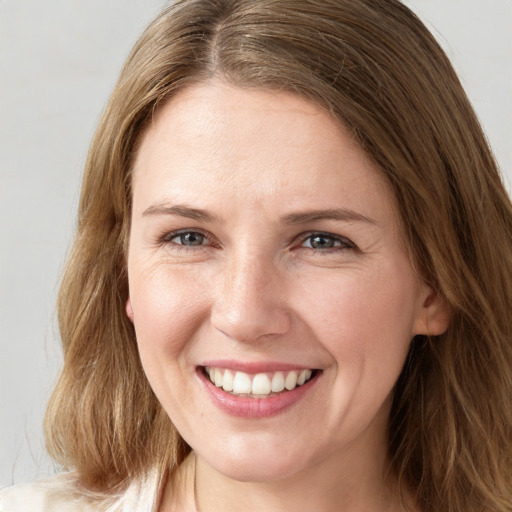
(250,302)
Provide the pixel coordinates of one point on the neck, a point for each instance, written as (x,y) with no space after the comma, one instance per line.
(317,489)
(345,482)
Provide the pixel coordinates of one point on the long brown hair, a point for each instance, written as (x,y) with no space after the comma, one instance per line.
(377,69)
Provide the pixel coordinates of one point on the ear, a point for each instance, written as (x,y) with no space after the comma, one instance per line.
(129,310)
(434,315)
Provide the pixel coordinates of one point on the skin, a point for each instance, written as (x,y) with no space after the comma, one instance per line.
(256,290)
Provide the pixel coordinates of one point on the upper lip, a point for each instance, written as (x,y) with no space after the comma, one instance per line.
(254,366)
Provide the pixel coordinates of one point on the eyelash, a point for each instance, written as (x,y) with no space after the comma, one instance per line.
(339,242)
(342,242)
(167,238)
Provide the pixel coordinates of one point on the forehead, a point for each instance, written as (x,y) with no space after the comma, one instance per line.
(217,138)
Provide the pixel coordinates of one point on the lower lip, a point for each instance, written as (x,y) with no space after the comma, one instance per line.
(255,407)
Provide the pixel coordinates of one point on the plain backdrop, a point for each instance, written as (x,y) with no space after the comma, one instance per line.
(59,60)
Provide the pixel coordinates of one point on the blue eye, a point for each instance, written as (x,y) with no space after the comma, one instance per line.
(321,241)
(188,238)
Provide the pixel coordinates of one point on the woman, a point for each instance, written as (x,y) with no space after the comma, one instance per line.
(290,285)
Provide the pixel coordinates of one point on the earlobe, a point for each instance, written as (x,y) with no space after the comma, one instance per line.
(434,316)
(129,310)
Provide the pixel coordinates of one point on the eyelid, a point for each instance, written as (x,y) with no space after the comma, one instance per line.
(345,242)
(167,237)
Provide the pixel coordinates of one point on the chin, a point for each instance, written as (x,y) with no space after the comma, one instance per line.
(260,465)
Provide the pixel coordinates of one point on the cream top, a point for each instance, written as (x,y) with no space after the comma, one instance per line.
(58,494)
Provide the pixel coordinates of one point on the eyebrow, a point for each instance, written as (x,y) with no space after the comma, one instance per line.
(181,211)
(340,214)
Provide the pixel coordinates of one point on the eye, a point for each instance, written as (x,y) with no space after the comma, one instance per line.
(187,238)
(319,241)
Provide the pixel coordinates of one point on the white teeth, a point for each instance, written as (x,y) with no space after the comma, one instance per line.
(227,383)
(290,381)
(301,378)
(242,383)
(278,382)
(218,378)
(260,385)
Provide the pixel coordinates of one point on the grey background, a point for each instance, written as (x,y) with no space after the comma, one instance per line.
(59,60)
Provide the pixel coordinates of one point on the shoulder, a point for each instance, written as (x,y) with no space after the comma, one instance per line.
(52,495)
(61,494)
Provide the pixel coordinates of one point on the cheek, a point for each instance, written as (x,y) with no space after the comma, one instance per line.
(168,307)
(362,318)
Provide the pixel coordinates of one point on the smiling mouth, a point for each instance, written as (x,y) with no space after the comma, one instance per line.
(259,385)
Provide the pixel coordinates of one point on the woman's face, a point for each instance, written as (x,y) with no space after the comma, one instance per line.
(264,247)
